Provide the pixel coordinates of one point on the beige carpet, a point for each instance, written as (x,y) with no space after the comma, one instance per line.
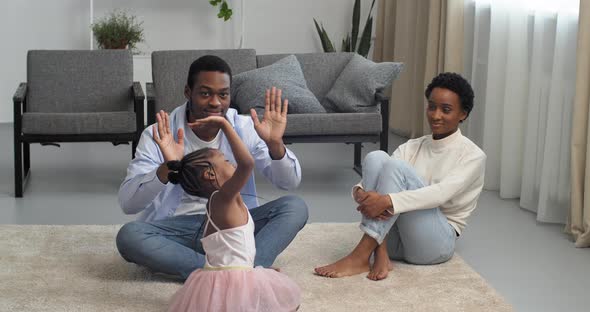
(77,268)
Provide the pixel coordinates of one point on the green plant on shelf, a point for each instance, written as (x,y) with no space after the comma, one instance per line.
(118,30)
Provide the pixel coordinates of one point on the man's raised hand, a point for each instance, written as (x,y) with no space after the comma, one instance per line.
(171,150)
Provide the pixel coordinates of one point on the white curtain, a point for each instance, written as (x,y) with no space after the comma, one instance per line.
(520,58)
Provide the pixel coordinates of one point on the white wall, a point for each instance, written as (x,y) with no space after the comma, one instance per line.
(269,26)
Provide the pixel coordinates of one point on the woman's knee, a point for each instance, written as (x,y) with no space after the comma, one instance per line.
(429,257)
(376,156)
(394,165)
(373,168)
(374,161)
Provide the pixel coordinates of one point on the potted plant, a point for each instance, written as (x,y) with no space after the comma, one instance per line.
(118,30)
(349,44)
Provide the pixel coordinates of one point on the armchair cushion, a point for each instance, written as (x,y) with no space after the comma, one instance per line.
(354,90)
(248,88)
(79,123)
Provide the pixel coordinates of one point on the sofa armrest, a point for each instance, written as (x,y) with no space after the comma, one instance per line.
(151,103)
(149,90)
(138,99)
(21,93)
(138,94)
(380,97)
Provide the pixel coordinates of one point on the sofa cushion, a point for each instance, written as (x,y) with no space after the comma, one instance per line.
(79,123)
(354,90)
(334,124)
(319,69)
(248,88)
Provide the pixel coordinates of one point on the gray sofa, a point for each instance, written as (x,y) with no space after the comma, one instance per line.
(169,70)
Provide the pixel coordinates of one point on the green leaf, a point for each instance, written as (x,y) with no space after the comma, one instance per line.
(319,30)
(365,43)
(371,9)
(215,2)
(329,45)
(324,39)
(346,47)
(356,17)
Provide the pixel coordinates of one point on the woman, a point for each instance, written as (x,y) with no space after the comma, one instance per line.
(415,203)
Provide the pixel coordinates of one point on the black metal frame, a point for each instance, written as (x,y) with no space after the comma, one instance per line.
(383,138)
(22,153)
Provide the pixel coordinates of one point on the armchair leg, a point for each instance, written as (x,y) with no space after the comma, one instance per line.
(18,168)
(357,158)
(27,157)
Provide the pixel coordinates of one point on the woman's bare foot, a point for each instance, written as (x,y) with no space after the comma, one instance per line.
(347,266)
(382,264)
(356,262)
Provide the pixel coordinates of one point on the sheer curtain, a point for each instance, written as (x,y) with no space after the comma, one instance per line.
(521,60)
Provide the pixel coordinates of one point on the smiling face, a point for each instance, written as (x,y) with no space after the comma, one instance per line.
(444,112)
(209,95)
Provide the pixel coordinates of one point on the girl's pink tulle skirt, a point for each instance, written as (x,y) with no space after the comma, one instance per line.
(256,289)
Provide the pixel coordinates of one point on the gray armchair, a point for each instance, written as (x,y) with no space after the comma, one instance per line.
(75,96)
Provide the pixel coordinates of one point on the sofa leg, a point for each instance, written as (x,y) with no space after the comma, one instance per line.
(133,148)
(18,168)
(384,141)
(357,158)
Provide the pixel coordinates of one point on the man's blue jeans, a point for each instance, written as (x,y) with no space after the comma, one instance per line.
(173,245)
(418,237)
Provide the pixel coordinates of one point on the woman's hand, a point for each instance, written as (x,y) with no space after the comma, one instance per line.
(359,195)
(171,150)
(373,204)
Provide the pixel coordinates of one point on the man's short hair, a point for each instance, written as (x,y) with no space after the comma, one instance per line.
(207,63)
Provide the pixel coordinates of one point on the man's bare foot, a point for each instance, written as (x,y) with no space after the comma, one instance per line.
(381,266)
(347,266)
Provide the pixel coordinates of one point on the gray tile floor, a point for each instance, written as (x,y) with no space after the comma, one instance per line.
(534,266)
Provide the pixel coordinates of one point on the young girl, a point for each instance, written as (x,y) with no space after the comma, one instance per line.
(228,281)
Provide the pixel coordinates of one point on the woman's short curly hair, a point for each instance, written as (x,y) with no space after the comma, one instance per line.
(455,83)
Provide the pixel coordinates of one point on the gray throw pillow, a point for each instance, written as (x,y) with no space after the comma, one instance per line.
(248,88)
(354,90)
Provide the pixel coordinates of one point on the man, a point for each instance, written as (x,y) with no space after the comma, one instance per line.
(166,238)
